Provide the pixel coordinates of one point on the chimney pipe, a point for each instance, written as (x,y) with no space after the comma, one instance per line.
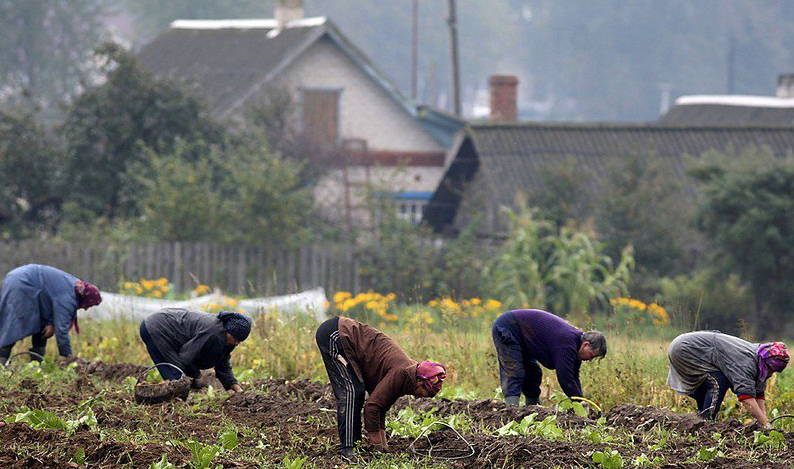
(504,104)
(288,10)
(785,85)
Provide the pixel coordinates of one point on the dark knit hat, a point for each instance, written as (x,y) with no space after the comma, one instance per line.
(236,324)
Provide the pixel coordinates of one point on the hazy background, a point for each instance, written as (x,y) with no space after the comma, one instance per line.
(577,60)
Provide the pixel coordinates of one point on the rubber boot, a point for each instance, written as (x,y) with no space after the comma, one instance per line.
(512,400)
(347,452)
(533,401)
(38,350)
(5,352)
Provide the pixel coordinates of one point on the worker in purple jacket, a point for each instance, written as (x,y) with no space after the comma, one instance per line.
(526,337)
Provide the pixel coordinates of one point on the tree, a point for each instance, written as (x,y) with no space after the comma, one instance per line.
(748,214)
(31,175)
(238,192)
(109,127)
(564,192)
(643,204)
(47,49)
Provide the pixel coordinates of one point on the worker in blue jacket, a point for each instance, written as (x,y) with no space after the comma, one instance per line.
(41,301)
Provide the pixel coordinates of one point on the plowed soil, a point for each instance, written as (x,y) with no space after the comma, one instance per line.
(277,418)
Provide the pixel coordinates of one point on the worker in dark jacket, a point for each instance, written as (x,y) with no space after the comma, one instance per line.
(42,301)
(525,337)
(360,358)
(195,341)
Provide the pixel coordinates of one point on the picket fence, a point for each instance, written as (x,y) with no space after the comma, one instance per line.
(239,270)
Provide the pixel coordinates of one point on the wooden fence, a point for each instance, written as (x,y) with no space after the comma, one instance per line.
(241,270)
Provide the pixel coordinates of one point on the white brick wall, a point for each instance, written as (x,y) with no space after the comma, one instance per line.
(366,110)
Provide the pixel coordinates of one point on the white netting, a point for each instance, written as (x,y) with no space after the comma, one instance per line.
(114,305)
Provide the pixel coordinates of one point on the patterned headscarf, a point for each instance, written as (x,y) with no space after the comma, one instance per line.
(87,294)
(236,324)
(432,376)
(772,358)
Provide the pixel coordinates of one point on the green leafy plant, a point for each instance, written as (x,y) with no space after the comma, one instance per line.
(546,428)
(201,454)
(162,464)
(644,461)
(410,423)
(608,459)
(294,463)
(228,439)
(44,420)
(78,457)
(774,439)
(709,454)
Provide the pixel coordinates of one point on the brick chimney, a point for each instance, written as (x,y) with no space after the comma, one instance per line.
(785,85)
(503,97)
(288,10)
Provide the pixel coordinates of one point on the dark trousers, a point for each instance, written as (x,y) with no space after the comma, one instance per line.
(348,389)
(710,394)
(167,372)
(39,347)
(519,373)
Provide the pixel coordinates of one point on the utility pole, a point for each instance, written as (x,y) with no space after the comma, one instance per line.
(731,59)
(453,38)
(414,48)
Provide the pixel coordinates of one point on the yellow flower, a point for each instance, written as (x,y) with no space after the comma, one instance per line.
(341,296)
(157,294)
(493,304)
(476,301)
(429,320)
(433,303)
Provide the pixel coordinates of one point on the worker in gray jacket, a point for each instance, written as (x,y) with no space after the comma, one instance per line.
(705,364)
(195,341)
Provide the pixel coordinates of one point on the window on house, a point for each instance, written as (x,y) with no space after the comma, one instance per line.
(411,205)
(320,116)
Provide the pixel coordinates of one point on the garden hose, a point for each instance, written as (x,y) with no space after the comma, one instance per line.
(584,399)
(31,354)
(781,417)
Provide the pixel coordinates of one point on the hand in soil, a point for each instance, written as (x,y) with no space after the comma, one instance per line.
(236,388)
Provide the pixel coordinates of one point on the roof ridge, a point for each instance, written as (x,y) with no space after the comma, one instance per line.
(624,125)
(245,23)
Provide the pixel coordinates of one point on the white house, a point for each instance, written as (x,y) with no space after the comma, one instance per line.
(346,108)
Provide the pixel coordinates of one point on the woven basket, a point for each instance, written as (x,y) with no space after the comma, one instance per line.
(155,393)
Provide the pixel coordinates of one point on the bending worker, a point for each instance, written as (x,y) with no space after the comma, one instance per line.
(705,364)
(525,337)
(360,358)
(41,301)
(195,341)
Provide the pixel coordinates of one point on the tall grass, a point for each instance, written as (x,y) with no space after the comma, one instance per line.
(634,371)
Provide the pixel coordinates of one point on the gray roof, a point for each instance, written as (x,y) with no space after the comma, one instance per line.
(505,157)
(227,64)
(730,109)
(223,64)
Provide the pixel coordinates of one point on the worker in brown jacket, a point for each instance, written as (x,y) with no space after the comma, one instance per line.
(360,358)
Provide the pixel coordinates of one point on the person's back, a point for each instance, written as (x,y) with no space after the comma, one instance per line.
(373,354)
(547,336)
(172,328)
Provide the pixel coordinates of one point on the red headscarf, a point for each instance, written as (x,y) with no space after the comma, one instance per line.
(87,296)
